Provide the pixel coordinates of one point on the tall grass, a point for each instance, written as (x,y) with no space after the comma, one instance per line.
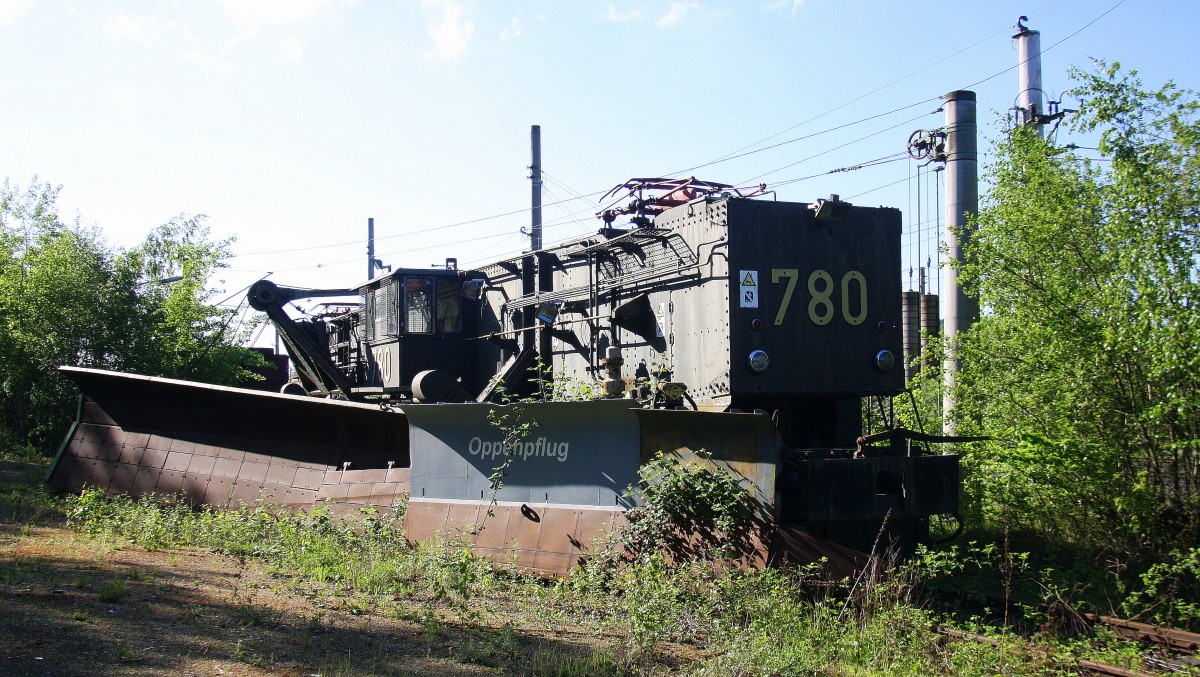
(784,620)
(366,553)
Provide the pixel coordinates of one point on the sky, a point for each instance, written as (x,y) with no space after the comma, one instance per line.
(289,123)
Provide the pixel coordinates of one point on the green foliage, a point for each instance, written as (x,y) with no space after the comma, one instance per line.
(783,620)
(367,552)
(25,498)
(690,510)
(1084,365)
(511,421)
(68,298)
(558,386)
(1170,592)
(112,591)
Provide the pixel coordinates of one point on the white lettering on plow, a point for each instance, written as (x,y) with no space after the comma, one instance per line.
(522,449)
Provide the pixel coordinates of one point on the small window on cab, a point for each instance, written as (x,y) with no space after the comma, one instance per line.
(418,305)
(449,306)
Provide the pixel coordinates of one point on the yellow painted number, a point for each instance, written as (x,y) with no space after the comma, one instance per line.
(792,275)
(854,276)
(820,307)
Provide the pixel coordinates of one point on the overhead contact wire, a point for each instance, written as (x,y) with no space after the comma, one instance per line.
(740,153)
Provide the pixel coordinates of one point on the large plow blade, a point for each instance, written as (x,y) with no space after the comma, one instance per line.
(229,446)
(538,484)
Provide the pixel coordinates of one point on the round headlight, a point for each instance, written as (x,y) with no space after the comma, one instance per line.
(758,361)
(884,360)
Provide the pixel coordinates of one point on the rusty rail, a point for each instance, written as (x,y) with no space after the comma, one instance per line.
(1092,667)
(1178,641)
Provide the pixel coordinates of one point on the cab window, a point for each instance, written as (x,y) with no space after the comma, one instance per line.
(418,305)
(449,306)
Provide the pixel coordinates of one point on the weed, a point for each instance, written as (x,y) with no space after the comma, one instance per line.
(29,501)
(337,665)
(255,614)
(471,649)
(551,661)
(1170,591)
(124,653)
(112,591)
(431,626)
(21,453)
(243,653)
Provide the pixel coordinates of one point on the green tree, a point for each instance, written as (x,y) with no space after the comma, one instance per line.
(66,297)
(180,332)
(1084,364)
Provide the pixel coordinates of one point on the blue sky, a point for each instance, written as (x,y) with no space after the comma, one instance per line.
(289,123)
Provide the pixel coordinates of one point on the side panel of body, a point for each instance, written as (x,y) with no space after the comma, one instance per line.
(661,295)
(532,483)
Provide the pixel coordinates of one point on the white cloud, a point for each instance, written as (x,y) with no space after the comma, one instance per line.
(214,34)
(11,11)
(291,47)
(512,31)
(676,12)
(143,31)
(251,14)
(207,61)
(451,28)
(617,16)
(679,9)
(793,6)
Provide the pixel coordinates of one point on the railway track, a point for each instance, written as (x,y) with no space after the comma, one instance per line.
(1175,641)
(1175,651)
(1085,666)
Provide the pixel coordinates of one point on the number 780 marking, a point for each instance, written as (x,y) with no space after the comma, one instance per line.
(821,306)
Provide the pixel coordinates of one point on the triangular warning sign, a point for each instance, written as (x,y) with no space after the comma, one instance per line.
(749,280)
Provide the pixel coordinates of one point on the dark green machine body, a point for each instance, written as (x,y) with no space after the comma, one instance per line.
(707,289)
(767,323)
(786,309)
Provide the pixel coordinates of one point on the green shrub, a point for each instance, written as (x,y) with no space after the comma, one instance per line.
(690,511)
(112,591)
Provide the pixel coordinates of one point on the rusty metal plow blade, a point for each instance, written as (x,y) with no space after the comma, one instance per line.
(229,446)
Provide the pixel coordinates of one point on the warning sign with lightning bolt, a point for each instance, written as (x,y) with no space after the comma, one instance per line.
(749,288)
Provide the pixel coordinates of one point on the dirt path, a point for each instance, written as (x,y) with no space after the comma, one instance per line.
(70,605)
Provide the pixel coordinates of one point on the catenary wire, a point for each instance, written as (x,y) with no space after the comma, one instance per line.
(835,148)
(814,118)
(735,155)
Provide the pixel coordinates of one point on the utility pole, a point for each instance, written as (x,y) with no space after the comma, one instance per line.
(370,248)
(1031,108)
(531,274)
(535,176)
(545,276)
(960,310)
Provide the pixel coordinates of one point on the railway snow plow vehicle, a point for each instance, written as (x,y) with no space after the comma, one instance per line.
(739,332)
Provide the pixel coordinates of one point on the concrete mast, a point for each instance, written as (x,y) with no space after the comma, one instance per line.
(960,311)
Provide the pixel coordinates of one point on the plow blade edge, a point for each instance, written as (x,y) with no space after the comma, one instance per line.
(228,446)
